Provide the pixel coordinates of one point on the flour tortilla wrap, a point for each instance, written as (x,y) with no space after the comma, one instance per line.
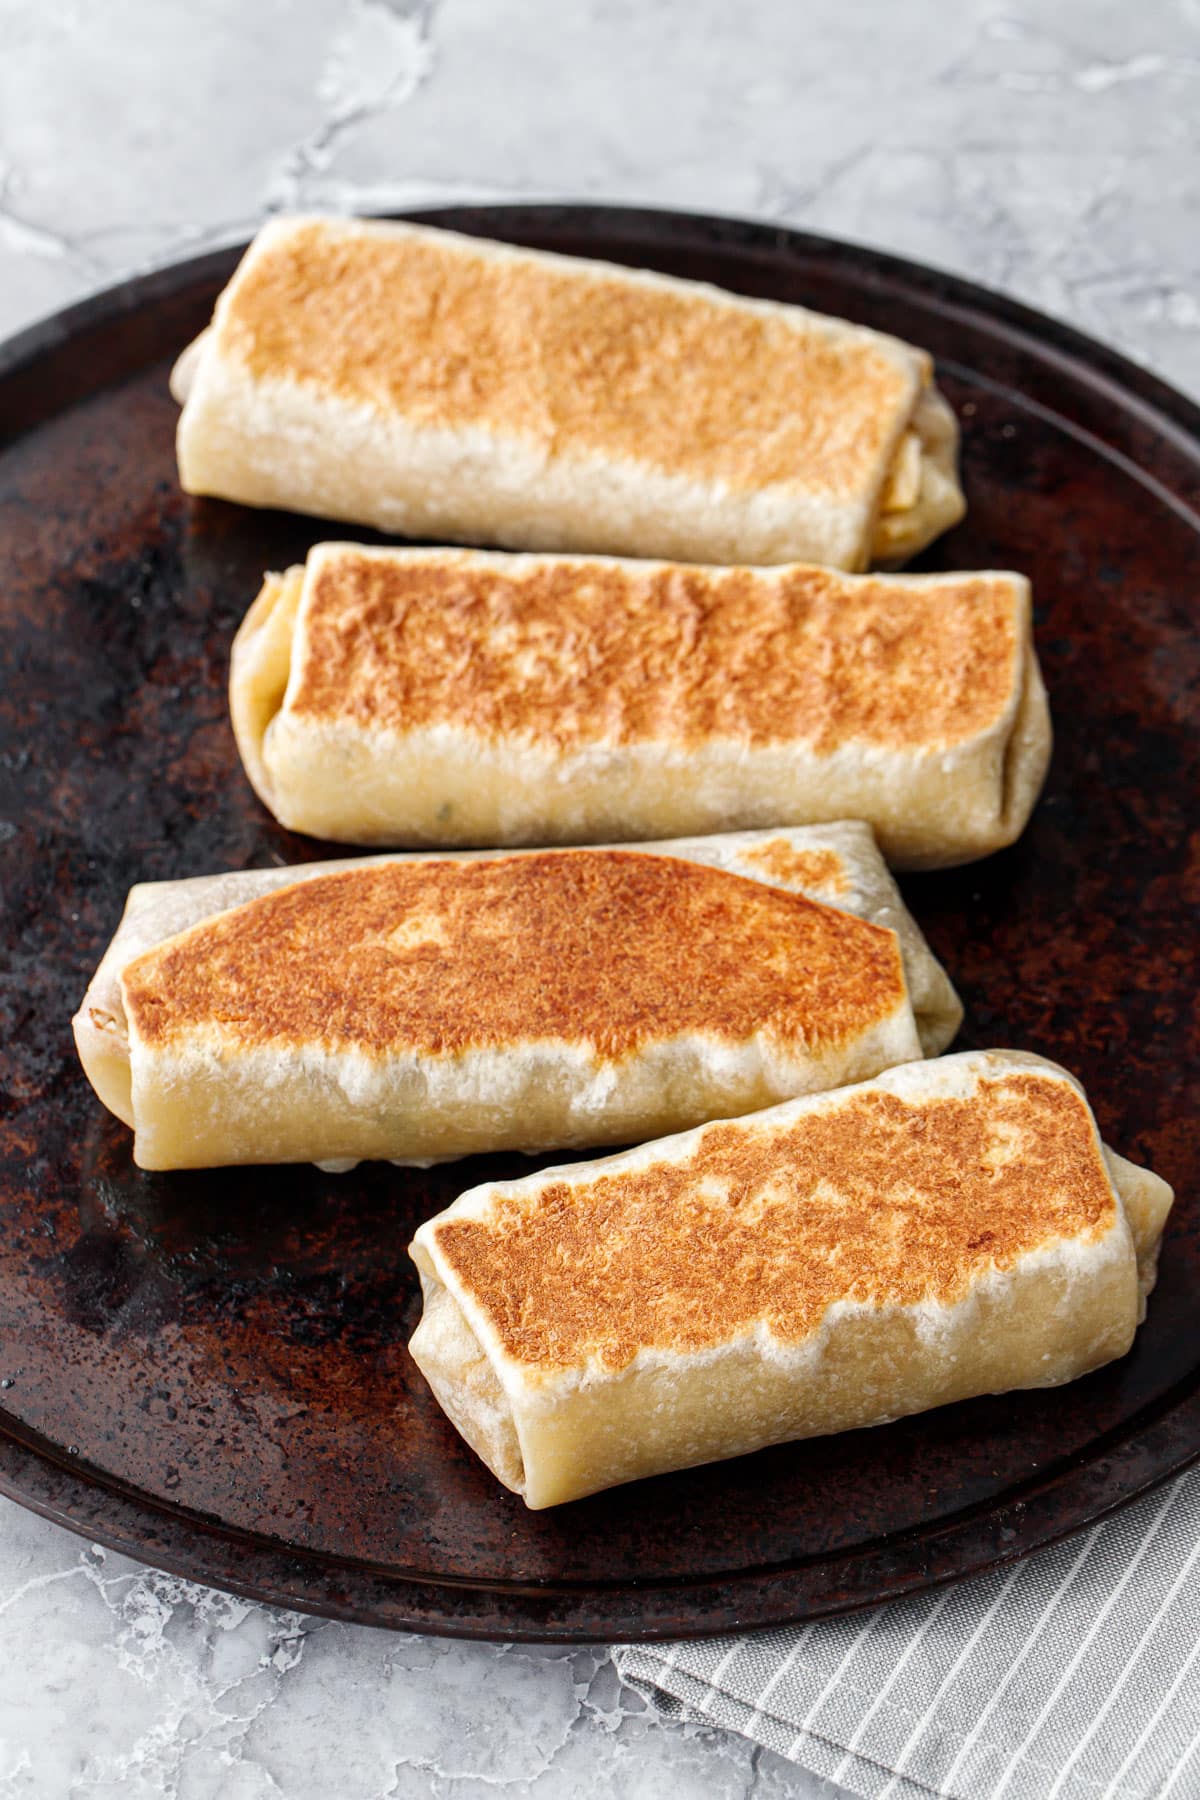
(419,1008)
(950,1228)
(401,697)
(446,387)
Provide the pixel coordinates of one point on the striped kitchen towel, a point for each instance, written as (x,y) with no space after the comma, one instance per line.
(1073,1675)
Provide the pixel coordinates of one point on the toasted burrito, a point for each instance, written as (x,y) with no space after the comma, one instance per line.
(951,1228)
(420,1008)
(446,387)
(460,697)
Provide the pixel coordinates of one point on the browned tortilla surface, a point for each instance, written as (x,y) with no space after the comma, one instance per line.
(876,1200)
(606,949)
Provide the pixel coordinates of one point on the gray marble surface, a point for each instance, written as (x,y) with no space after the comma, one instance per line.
(121,1683)
(1048,149)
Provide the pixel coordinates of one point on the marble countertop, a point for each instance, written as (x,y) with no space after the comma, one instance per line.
(1049,151)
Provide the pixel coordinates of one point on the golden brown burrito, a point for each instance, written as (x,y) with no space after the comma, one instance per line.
(460,697)
(419,1008)
(446,387)
(950,1228)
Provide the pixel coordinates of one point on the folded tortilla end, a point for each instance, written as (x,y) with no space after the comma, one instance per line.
(102,1044)
(259,669)
(186,367)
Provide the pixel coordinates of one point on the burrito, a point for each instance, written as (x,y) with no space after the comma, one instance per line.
(951,1228)
(442,386)
(421,1008)
(459,697)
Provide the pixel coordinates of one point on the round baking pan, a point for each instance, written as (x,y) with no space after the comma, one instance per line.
(208,1371)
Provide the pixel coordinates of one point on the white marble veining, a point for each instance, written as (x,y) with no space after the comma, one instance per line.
(119,1681)
(1048,147)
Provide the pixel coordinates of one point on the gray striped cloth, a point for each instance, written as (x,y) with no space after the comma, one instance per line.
(1072,1675)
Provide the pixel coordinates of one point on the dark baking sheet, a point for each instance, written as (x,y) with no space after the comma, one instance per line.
(208,1370)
